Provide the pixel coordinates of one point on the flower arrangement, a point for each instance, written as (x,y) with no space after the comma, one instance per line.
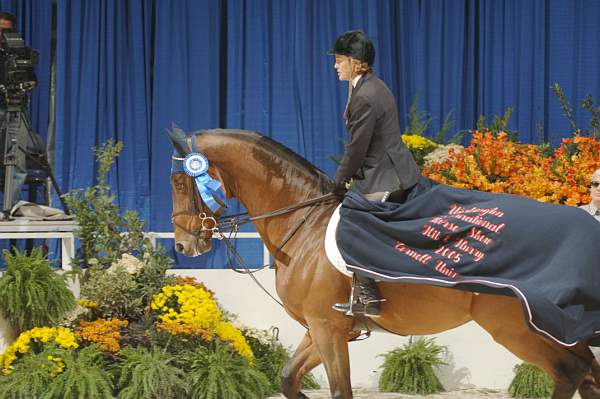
(134,330)
(419,146)
(493,162)
(190,310)
(62,337)
(106,334)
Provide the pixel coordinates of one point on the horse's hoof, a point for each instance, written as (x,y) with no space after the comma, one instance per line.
(302,396)
(589,391)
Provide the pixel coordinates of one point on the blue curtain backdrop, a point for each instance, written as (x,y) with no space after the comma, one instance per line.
(128,69)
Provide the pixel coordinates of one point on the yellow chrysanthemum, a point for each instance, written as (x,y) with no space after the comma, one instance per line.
(191,310)
(417,142)
(63,337)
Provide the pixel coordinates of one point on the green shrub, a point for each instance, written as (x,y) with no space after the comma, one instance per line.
(410,369)
(32,293)
(84,376)
(30,377)
(149,374)
(104,232)
(217,373)
(270,358)
(530,382)
(116,294)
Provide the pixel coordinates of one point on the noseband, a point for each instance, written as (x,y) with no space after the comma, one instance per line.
(208,225)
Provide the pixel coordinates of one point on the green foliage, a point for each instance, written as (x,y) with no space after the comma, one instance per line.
(419,122)
(565,105)
(217,373)
(270,358)
(588,105)
(498,124)
(410,369)
(104,232)
(85,376)
(152,277)
(30,377)
(149,374)
(106,235)
(116,293)
(530,382)
(32,293)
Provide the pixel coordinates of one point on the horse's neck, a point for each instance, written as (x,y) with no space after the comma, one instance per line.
(258,179)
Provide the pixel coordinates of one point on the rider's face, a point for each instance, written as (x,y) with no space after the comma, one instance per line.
(5,24)
(343,67)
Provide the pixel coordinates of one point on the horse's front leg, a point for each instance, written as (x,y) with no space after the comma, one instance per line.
(331,339)
(304,359)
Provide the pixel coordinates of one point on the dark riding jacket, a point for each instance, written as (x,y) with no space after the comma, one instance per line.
(375,156)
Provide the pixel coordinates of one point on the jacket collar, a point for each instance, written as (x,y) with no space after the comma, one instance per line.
(361,81)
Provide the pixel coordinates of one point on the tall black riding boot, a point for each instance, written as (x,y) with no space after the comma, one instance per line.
(368,299)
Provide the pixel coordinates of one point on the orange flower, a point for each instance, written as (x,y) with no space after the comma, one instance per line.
(104,333)
(495,164)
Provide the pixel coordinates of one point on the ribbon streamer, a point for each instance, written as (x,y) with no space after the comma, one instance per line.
(196,166)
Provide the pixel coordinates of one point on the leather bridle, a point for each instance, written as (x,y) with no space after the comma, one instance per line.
(211,227)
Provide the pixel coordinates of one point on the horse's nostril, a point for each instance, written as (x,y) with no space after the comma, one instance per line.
(179,247)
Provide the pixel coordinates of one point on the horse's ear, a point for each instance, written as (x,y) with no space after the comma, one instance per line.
(178,138)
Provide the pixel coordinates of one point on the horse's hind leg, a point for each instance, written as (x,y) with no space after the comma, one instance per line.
(304,359)
(590,387)
(503,319)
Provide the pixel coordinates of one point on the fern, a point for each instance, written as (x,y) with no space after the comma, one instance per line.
(29,379)
(530,382)
(149,374)
(410,369)
(32,293)
(84,376)
(217,373)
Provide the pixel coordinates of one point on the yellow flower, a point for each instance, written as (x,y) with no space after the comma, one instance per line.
(191,310)
(417,142)
(60,335)
(87,303)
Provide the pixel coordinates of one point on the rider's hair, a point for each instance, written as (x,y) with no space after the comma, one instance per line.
(359,67)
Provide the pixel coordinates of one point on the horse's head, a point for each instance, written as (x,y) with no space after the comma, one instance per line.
(194,222)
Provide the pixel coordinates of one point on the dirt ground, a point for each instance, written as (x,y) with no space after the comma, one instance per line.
(476,393)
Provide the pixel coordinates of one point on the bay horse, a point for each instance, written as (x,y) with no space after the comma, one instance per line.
(264,176)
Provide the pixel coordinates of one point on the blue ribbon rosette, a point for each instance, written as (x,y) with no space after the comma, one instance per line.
(196,166)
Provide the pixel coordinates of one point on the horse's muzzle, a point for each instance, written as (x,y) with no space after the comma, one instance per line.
(192,248)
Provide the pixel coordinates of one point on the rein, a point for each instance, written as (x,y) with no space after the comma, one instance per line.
(209,226)
(234,222)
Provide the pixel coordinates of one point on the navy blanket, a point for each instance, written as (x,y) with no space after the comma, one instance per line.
(546,255)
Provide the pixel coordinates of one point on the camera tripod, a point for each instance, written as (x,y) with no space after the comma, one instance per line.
(17,129)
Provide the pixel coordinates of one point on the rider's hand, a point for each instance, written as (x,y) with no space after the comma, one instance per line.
(340,191)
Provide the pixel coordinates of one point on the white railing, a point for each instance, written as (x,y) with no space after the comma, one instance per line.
(153,236)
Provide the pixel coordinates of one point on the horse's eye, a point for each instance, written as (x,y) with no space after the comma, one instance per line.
(179,186)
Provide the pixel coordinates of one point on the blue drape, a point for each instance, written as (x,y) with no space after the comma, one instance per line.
(104,92)
(128,69)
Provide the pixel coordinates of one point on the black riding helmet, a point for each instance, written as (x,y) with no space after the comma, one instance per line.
(355,44)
